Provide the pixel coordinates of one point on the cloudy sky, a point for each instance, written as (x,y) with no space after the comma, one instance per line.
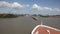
(45,7)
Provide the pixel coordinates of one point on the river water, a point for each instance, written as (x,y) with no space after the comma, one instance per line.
(24,25)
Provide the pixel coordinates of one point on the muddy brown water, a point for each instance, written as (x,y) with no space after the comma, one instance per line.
(24,25)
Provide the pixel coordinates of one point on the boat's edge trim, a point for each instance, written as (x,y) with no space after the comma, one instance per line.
(43,26)
(50,27)
(35,29)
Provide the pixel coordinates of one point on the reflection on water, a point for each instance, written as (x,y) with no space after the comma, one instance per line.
(24,25)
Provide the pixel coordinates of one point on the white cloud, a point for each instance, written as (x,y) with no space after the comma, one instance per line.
(16,5)
(11,5)
(3,3)
(34,6)
(56,9)
(37,7)
(46,8)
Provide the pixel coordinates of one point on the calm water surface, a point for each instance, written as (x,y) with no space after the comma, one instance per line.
(24,25)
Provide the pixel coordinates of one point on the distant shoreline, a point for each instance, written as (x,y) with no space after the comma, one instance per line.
(17,15)
(8,16)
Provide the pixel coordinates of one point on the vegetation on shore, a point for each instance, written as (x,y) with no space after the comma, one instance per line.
(57,16)
(8,16)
